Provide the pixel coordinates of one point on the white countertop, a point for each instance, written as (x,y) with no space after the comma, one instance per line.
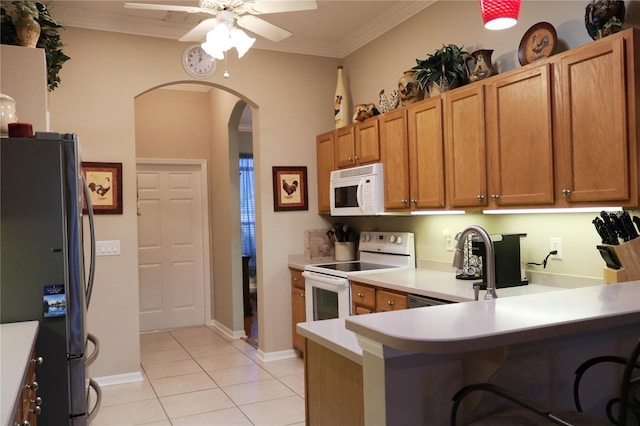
(333,335)
(427,282)
(504,321)
(441,285)
(16,341)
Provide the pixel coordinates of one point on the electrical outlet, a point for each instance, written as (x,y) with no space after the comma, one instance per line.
(450,241)
(555,243)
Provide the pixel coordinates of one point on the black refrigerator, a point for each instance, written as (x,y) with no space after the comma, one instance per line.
(44,275)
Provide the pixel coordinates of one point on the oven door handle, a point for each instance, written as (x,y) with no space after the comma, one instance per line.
(326,279)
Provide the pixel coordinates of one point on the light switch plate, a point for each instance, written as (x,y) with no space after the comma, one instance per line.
(108,248)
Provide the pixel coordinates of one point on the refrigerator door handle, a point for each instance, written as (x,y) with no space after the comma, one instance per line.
(96,349)
(94,411)
(92,261)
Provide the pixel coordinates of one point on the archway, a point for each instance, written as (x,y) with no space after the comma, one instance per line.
(187,124)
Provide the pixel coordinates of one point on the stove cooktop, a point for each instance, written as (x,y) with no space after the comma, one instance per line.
(353,266)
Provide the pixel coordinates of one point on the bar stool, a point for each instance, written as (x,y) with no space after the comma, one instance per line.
(622,410)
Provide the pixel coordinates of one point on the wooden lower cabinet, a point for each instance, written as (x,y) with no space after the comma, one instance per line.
(333,388)
(29,406)
(387,300)
(298,308)
(363,299)
(366,299)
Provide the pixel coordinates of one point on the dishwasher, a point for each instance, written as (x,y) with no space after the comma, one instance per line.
(419,301)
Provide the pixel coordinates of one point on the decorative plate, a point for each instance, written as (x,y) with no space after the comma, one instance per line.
(538,42)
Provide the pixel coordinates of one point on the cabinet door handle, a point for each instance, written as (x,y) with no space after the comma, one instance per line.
(494,197)
(480,197)
(566,192)
(357,158)
(404,201)
(390,302)
(38,361)
(37,401)
(301,294)
(360,294)
(33,386)
(414,201)
(36,410)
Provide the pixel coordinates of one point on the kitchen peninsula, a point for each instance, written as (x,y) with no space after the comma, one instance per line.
(413,361)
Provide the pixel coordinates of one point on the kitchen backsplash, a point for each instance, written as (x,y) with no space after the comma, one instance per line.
(581,260)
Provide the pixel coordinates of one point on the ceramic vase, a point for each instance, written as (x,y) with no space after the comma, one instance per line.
(409,88)
(27,31)
(341,102)
(479,65)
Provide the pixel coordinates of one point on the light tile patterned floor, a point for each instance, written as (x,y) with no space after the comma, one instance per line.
(195,376)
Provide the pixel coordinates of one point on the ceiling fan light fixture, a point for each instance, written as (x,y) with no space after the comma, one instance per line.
(241,41)
(224,36)
(499,14)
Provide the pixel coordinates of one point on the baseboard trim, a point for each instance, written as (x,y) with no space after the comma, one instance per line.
(119,379)
(277,355)
(235,335)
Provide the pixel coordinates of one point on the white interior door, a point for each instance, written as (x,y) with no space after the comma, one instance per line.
(170,246)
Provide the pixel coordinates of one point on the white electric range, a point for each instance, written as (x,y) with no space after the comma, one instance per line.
(327,289)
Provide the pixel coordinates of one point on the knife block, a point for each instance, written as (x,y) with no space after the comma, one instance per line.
(629,256)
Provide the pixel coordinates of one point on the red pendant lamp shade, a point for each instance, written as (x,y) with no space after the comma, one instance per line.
(499,14)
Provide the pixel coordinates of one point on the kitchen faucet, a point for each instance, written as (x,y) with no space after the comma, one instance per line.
(489,260)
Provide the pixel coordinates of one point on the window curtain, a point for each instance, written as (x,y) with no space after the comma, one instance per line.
(248,210)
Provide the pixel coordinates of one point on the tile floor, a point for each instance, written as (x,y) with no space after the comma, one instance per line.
(195,376)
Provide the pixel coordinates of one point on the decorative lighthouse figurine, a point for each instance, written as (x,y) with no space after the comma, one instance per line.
(341,102)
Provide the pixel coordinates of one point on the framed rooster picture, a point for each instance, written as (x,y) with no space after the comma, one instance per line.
(290,188)
(104,181)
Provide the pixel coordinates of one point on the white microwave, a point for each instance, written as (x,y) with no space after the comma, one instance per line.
(358,191)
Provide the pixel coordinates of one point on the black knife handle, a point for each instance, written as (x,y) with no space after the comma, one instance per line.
(619,227)
(636,220)
(610,228)
(628,225)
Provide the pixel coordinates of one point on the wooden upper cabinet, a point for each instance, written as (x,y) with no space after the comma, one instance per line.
(426,154)
(465,147)
(325,164)
(598,153)
(357,144)
(345,147)
(395,157)
(520,139)
(367,142)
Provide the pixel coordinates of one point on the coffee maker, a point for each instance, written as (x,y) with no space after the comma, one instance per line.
(509,269)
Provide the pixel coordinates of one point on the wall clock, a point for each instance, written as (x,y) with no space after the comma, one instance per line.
(198,63)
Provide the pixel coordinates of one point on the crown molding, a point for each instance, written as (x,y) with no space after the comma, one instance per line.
(119,23)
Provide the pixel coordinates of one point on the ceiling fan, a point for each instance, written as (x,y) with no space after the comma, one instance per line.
(241,11)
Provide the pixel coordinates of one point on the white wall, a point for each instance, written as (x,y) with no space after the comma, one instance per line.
(96,100)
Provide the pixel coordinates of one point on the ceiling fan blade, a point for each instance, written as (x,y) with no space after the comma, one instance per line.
(165,7)
(276,6)
(263,28)
(199,32)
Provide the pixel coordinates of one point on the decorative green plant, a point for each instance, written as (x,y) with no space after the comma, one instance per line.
(445,67)
(49,37)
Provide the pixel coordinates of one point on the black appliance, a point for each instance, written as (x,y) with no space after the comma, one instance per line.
(42,267)
(508,260)
(509,271)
